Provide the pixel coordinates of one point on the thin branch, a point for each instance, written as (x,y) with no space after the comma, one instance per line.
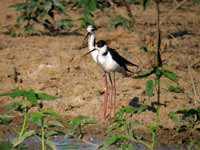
(90,143)
(159,59)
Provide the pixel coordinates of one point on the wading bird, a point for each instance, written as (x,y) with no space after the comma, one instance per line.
(110,61)
(91,29)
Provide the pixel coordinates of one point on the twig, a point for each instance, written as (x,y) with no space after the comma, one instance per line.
(193,84)
(172,11)
(90,143)
(159,59)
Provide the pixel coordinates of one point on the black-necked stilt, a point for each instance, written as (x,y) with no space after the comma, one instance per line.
(110,61)
(91,45)
(92,41)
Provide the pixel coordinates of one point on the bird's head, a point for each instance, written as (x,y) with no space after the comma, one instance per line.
(101,46)
(91,28)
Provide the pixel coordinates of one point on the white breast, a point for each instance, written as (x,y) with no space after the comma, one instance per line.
(109,64)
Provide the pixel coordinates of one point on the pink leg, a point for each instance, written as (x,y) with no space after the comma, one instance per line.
(114,91)
(111,96)
(105,96)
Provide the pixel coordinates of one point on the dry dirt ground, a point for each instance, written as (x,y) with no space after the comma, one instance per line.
(54,64)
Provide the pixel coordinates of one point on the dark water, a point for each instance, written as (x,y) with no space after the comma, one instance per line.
(65,143)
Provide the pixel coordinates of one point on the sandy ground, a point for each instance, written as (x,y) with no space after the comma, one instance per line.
(54,64)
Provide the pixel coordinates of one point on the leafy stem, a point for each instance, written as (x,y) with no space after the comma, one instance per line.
(42,135)
(24,125)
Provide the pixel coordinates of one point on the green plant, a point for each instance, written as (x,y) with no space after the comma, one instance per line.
(42,12)
(120,20)
(88,8)
(7,145)
(121,131)
(187,120)
(159,72)
(40,119)
(5,119)
(78,125)
(23,101)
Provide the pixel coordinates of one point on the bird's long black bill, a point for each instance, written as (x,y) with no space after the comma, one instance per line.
(89,52)
(86,36)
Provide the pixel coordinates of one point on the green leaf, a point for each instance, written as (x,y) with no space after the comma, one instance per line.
(50,112)
(21,19)
(89,6)
(130,109)
(169,74)
(5,119)
(65,24)
(20,6)
(190,113)
(31,97)
(51,144)
(173,116)
(36,118)
(29,94)
(149,88)
(116,125)
(146,74)
(87,19)
(153,128)
(77,121)
(13,106)
(55,123)
(59,5)
(196,1)
(175,89)
(122,21)
(15,93)
(182,128)
(44,96)
(145,3)
(81,120)
(6,145)
(114,138)
(126,146)
(28,29)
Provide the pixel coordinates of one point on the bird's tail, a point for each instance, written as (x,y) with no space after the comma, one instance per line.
(132,64)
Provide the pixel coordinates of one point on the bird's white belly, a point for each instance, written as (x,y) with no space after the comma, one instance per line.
(108,64)
(94,55)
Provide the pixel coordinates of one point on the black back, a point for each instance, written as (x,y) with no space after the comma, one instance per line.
(120,60)
(115,55)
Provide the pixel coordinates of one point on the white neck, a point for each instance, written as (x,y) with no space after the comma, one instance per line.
(91,41)
(103,49)
(91,46)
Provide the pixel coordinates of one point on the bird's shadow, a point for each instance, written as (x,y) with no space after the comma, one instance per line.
(134,102)
(51,33)
(61,33)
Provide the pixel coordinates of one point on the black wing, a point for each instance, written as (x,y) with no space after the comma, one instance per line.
(119,59)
